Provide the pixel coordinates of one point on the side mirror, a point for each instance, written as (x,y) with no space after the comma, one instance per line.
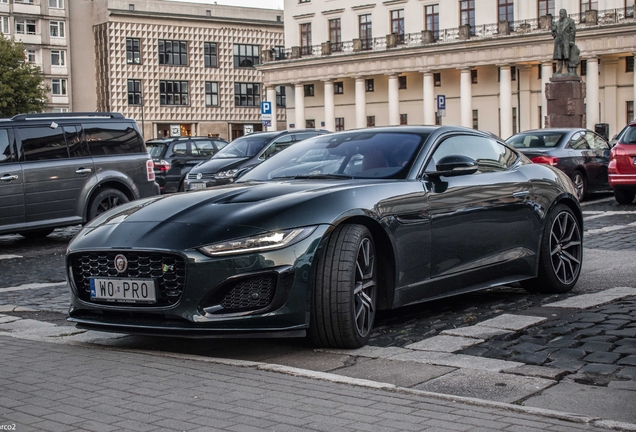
(454,165)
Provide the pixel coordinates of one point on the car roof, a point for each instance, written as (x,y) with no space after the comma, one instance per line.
(562,130)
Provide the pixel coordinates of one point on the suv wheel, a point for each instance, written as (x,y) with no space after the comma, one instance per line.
(106,200)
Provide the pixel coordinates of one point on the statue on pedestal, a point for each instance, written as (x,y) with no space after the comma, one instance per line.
(564,34)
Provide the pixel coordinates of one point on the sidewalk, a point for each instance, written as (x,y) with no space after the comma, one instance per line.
(58,387)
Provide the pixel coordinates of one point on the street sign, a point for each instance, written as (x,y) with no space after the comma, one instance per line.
(248,129)
(441,102)
(267,123)
(266,111)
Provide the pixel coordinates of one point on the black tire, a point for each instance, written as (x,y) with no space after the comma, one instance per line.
(37,234)
(624,196)
(560,253)
(344,298)
(106,200)
(181,186)
(580,184)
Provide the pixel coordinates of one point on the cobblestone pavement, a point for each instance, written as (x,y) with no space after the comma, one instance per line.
(52,387)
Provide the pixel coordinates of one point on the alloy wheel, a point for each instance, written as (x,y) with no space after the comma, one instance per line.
(579,185)
(108,203)
(566,248)
(365,288)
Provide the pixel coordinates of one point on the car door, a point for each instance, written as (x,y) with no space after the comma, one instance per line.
(178,154)
(601,149)
(11,183)
(482,223)
(580,155)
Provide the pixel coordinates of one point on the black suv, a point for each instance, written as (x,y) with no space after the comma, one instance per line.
(64,169)
(243,154)
(173,158)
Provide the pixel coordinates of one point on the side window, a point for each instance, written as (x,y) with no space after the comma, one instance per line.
(305,135)
(202,148)
(180,149)
(578,142)
(77,147)
(5,147)
(598,143)
(490,155)
(43,143)
(112,138)
(220,144)
(277,146)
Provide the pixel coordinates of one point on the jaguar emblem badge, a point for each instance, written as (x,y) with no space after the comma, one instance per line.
(121,263)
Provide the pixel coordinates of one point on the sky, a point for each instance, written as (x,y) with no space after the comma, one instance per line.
(270,4)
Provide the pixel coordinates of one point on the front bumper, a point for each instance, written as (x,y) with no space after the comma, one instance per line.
(202,307)
(193,185)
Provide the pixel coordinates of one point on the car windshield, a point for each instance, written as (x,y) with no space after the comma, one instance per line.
(156,149)
(355,154)
(629,136)
(535,140)
(245,146)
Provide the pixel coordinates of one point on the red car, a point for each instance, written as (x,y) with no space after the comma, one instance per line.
(622,166)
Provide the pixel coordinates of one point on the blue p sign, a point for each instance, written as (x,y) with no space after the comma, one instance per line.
(266,108)
(441,102)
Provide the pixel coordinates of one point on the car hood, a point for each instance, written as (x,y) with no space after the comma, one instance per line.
(212,166)
(188,220)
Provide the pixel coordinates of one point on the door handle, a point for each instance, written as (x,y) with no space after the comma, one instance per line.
(83,171)
(521,194)
(9,177)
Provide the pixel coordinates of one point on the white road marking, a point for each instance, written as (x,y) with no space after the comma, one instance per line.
(587,301)
(610,228)
(10,256)
(32,286)
(600,214)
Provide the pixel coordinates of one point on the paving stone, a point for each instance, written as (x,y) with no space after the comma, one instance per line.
(587,332)
(628,361)
(568,354)
(563,342)
(627,373)
(626,341)
(497,353)
(591,317)
(618,322)
(567,365)
(626,332)
(531,358)
(596,346)
(625,349)
(587,301)
(478,332)
(602,357)
(623,385)
(598,369)
(512,322)
(444,344)
(538,371)
(475,350)
(600,338)
(525,347)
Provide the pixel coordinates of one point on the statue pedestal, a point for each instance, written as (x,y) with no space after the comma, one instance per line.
(566,101)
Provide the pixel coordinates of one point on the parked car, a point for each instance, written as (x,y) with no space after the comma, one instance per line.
(243,154)
(318,238)
(622,166)
(580,153)
(65,169)
(173,158)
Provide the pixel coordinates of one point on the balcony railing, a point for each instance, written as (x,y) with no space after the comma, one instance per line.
(454,35)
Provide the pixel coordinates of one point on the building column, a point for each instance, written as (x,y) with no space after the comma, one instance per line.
(505,102)
(610,114)
(330,107)
(361,103)
(634,97)
(591,86)
(271,98)
(299,105)
(466,98)
(546,74)
(394,101)
(428,97)
(525,112)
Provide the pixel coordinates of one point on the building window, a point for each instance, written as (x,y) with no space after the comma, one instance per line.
(545,7)
(58,87)
(211,93)
(59,110)
(247,94)
(629,8)
(131,7)
(305,39)
(173,93)
(402,82)
(431,19)
(279,52)
(507,10)
(209,54)
(630,111)
(30,56)
(309,90)
(56,29)
(513,73)
(583,67)
(404,119)
(369,85)
(475,119)
(338,88)
(514,121)
(4,25)
(173,52)
(310,124)
(133,51)
(437,78)
(304,1)
(587,5)
(281,98)
(370,121)
(473,76)
(340,124)
(467,14)
(365,28)
(335,34)
(629,64)
(134,92)
(58,57)
(397,24)
(25,26)
(246,55)
(56,4)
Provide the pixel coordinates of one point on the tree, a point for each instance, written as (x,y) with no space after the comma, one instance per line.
(22,88)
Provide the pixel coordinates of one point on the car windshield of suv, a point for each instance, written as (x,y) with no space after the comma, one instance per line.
(356,154)
(629,136)
(245,146)
(535,140)
(156,149)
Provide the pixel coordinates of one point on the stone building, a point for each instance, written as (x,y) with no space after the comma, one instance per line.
(352,63)
(177,68)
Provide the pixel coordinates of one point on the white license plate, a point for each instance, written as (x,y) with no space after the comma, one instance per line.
(123,290)
(197,186)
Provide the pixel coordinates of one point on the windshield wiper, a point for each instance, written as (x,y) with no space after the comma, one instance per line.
(315,176)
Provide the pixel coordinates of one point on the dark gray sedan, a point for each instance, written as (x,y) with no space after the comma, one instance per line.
(582,154)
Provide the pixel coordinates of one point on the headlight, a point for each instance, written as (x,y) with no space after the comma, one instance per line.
(264,242)
(225,174)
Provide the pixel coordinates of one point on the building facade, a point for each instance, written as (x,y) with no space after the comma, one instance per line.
(351,63)
(177,68)
(42,26)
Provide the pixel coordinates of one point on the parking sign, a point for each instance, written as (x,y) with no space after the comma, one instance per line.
(441,102)
(266,111)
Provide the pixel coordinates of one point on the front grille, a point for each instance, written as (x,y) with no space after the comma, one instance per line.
(252,293)
(204,176)
(167,270)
